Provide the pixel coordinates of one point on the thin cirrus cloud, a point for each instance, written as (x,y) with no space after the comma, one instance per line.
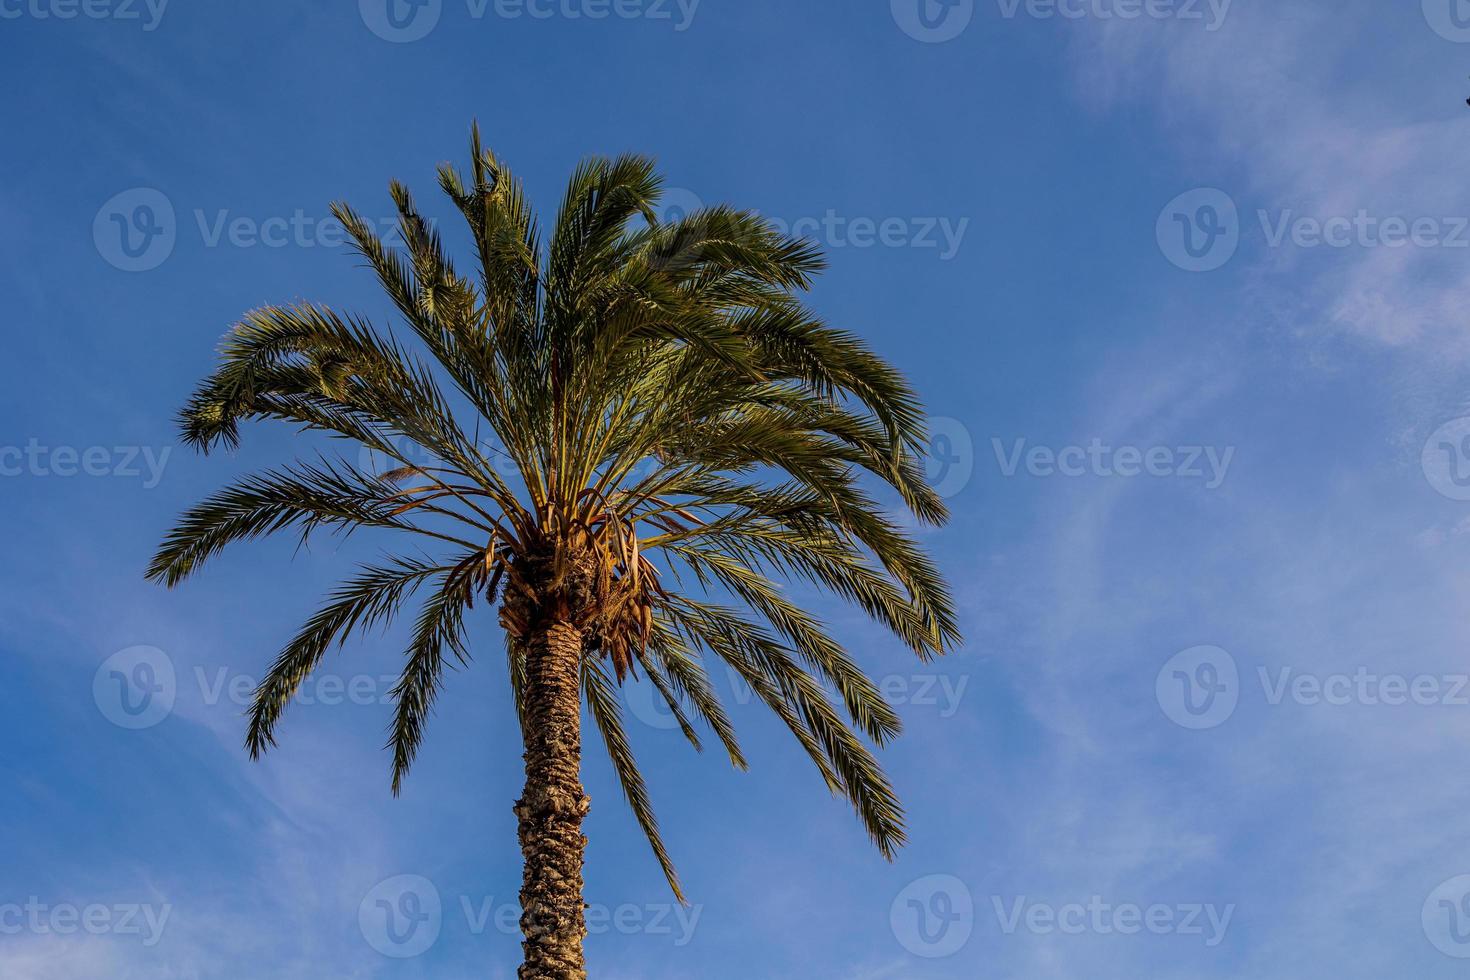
(1314,820)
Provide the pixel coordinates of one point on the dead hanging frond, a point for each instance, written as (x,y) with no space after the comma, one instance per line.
(620,620)
(599,578)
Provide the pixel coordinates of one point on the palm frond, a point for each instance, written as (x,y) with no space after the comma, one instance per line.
(369,599)
(438,633)
(607,713)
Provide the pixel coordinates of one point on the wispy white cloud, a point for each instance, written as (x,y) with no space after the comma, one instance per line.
(1299,113)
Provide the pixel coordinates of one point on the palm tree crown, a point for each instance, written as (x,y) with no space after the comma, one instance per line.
(665,414)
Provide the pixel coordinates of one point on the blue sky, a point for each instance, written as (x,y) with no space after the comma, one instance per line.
(1183,284)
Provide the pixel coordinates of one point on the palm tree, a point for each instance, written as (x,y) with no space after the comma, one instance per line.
(661,402)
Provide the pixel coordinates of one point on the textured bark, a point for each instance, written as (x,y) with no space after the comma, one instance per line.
(552,807)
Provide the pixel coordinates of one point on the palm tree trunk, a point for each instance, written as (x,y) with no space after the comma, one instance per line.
(552,807)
